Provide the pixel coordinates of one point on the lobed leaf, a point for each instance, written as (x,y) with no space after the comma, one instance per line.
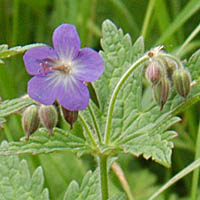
(12,106)
(89,189)
(5,52)
(16,181)
(118,55)
(147,133)
(41,142)
(138,129)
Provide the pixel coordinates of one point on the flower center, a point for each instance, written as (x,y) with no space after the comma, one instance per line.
(63,68)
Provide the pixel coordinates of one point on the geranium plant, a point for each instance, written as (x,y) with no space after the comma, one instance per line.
(114,121)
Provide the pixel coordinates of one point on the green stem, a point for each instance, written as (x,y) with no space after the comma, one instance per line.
(103,176)
(95,123)
(90,135)
(176,178)
(115,93)
(147,17)
(195,178)
(191,36)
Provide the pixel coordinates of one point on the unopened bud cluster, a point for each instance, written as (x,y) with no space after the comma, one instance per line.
(47,116)
(162,73)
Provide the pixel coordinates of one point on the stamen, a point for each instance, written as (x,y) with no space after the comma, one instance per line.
(63,68)
(44,67)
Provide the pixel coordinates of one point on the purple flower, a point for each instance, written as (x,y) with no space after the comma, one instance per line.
(61,73)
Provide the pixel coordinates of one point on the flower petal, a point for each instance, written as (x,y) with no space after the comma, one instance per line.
(41,88)
(34,57)
(88,66)
(73,95)
(66,41)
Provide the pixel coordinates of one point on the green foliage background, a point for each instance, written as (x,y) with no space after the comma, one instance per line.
(170,23)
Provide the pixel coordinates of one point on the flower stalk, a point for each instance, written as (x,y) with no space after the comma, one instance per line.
(90,135)
(115,93)
(95,123)
(165,55)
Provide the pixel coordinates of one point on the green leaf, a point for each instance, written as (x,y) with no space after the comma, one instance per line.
(152,141)
(6,53)
(118,55)
(144,131)
(16,181)
(41,142)
(12,106)
(89,189)
(136,129)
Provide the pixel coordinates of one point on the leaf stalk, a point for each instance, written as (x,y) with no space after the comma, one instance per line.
(90,135)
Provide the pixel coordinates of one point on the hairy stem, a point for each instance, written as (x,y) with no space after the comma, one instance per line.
(164,55)
(95,123)
(90,135)
(195,178)
(115,93)
(102,162)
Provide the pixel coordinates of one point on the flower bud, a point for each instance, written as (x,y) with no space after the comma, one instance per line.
(154,72)
(161,92)
(170,65)
(49,117)
(181,79)
(30,120)
(70,116)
